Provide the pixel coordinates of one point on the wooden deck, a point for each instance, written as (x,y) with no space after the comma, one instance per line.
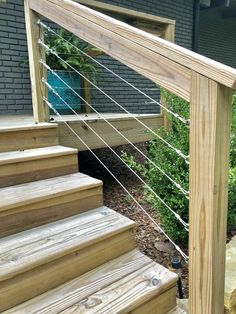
(127,125)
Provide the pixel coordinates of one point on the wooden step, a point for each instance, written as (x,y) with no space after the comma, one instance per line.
(43,258)
(32,204)
(18,167)
(131,283)
(28,136)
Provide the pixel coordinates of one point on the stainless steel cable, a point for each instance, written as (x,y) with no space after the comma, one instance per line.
(177,151)
(158,227)
(183,120)
(178,217)
(178,186)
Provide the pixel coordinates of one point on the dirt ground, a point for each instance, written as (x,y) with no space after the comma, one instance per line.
(148,240)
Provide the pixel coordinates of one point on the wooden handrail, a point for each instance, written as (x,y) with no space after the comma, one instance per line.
(153,66)
(208,85)
(172,52)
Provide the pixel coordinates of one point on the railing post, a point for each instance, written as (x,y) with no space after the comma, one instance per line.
(210,116)
(37,71)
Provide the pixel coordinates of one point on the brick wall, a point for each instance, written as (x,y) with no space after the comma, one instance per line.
(14,79)
(15,94)
(217,37)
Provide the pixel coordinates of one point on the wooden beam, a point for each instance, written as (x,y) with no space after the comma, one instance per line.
(34,32)
(126,12)
(159,69)
(209,159)
(171,52)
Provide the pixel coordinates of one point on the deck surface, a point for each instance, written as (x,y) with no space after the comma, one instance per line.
(89,124)
(27,119)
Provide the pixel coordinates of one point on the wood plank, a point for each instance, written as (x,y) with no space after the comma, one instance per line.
(128,293)
(33,192)
(35,214)
(161,70)
(125,11)
(37,71)
(158,305)
(19,167)
(31,154)
(20,138)
(78,289)
(209,161)
(129,127)
(37,169)
(174,53)
(46,277)
(62,238)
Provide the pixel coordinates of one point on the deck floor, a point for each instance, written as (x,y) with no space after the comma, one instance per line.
(127,125)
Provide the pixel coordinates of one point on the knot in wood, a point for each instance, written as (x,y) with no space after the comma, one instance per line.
(155,281)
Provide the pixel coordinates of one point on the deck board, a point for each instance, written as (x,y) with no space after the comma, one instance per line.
(127,125)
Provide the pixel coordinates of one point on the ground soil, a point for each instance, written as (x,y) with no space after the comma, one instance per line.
(116,198)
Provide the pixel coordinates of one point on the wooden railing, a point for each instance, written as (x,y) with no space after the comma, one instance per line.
(206,84)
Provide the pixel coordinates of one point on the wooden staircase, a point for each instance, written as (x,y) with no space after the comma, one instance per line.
(61,250)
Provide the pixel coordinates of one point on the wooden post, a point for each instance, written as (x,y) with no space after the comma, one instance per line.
(37,71)
(170,36)
(210,117)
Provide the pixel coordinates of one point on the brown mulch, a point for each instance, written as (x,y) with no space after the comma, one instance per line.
(116,198)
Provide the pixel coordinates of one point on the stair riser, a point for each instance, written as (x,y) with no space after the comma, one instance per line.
(51,275)
(26,139)
(42,212)
(158,305)
(33,170)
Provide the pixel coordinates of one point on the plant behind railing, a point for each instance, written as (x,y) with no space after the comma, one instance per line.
(206,84)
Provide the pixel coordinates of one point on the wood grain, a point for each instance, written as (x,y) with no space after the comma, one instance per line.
(50,242)
(26,137)
(36,164)
(126,12)
(35,52)
(159,69)
(78,289)
(36,214)
(33,192)
(129,127)
(158,305)
(174,53)
(52,275)
(128,293)
(209,161)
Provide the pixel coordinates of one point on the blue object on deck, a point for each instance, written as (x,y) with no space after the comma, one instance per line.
(73,80)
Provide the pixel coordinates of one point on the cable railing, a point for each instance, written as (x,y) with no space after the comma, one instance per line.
(206,84)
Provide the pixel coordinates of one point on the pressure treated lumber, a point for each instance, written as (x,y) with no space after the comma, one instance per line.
(129,293)
(169,51)
(129,127)
(32,204)
(132,265)
(18,167)
(210,116)
(81,287)
(43,258)
(159,69)
(23,136)
(126,12)
(34,33)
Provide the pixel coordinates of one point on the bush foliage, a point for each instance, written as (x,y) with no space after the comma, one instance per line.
(178,169)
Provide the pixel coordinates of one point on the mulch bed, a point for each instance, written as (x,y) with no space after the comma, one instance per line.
(116,198)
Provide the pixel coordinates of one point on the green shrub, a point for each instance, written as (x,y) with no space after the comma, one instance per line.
(176,167)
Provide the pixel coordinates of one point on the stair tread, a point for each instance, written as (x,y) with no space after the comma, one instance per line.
(26,250)
(26,193)
(119,285)
(30,126)
(35,153)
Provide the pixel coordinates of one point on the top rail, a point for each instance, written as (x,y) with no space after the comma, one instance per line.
(168,52)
